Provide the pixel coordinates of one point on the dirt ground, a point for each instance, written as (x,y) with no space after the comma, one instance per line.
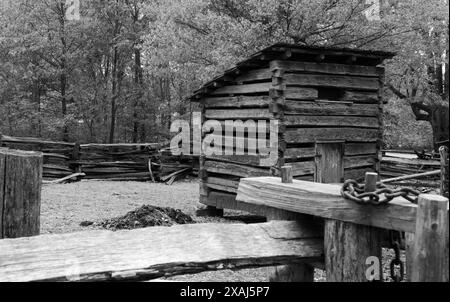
(64,207)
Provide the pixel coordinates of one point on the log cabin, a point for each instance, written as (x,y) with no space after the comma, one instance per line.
(318,95)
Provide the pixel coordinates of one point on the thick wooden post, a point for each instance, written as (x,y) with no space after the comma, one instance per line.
(20,193)
(347,245)
(430,254)
(292,272)
(409,247)
(443,151)
(76,157)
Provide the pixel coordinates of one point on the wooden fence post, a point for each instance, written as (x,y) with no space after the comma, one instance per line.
(347,246)
(293,272)
(443,151)
(430,254)
(76,158)
(20,193)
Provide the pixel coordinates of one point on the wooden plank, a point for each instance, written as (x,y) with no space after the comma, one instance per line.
(238,144)
(298,153)
(222,184)
(302,168)
(324,68)
(297,93)
(32,140)
(234,169)
(107,147)
(431,252)
(245,114)
(330,108)
(20,196)
(310,135)
(325,200)
(74,177)
(360,149)
(254,75)
(221,187)
(343,82)
(407,161)
(151,253)
(243,89)
(361,97)
(331,121)
(359,161)
(250,160)
(237,102)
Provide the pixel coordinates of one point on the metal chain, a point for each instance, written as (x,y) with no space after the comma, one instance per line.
(354,191)
(382,195)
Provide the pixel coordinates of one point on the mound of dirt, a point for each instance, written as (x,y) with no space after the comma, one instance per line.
(146,216)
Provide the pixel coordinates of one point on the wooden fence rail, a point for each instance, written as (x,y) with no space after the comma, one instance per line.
(132,162)
(346,236)
(151,253)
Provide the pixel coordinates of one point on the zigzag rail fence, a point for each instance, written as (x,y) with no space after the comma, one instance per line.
(325,230)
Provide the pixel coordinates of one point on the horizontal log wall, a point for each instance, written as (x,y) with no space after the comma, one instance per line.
(313,102)
(331,102)
(244,97)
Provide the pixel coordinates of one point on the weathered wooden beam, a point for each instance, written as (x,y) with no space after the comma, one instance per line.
(310,135)
(20,193)
(74,177)
(431,253)
(300,93)
(330,108)
(247,114)
(342,82)
(235,169)
(331,121)
(243,89)
(361,97)
(327,68)
(152,253)
(237,102)
(325,200)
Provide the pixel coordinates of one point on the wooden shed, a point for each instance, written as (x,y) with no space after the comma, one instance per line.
(320,96)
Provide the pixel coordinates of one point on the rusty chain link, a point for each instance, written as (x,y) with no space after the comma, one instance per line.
(354,191)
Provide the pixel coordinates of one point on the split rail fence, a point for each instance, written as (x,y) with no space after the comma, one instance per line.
(132,162)
(310,225)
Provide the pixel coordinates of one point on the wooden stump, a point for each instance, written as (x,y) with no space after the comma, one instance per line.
(347,247)
(20,193)
(430,253)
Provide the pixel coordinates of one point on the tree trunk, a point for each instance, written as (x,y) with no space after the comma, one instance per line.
(116,89)
(439,122)
(138,81)
(63,67)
